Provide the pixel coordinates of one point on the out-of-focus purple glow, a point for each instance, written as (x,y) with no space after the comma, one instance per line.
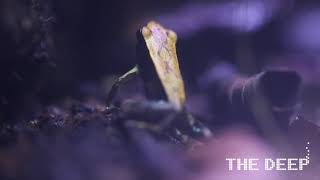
(303,31)
(243,16)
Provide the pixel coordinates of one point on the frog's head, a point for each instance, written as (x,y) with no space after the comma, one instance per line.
(157,31)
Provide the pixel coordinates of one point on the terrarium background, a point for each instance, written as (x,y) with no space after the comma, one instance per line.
(85,42)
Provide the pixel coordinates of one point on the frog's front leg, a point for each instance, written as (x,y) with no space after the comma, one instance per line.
(122,79)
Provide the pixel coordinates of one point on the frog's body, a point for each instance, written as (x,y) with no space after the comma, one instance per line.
(158,65)
(147,71)
(161,53)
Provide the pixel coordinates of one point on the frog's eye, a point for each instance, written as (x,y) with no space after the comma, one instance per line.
(172,35)
(146,32)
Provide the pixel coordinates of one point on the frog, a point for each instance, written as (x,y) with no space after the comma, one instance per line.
(158,66)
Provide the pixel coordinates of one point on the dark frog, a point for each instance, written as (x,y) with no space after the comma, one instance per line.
(158,66)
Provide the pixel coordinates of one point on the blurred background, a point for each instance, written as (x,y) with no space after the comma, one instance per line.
(55,50)
(51,50)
